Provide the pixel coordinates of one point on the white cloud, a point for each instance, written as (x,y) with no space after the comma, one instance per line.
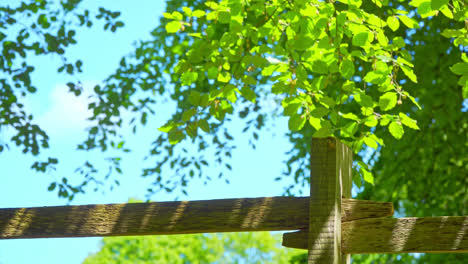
(66,113)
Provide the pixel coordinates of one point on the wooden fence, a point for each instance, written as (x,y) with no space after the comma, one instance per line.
(329,224)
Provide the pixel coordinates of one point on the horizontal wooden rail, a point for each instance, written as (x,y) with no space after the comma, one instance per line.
(446,234)
(158,218)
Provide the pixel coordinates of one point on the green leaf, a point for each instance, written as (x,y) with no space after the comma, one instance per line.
(353,3)
(370,142)
(388,101)
(357,179)
(224,17)
(460,68)
(382,39)
(323,132)
(398,42)
(224,77)
(319,112)
(188,114)
(120,145)
(319,66)
(268,71)
(407,121)
(177,15)
(212,73)
(315,122)
(368,177)
(393,23)
(350,128)
(187,10)
(350,116)
(347,69)
(204,100)
(424,8)
(363,99)
(396,130)
(196,35)
(198,13)
(465,90)
(446,11)
(409,22)
(192,129)
(188,78)
(303,42)
(52,186)
(167,127)
(296,122)
(175,136)
(451,33)
(173,26)
(203,124)
(437,4)
(248,93)
(361,39)
(375,77)
(409,73)
(371,121)
(168,15)
(194,98)
(412,99)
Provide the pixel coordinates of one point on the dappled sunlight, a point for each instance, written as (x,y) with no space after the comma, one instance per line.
(150,211)
(257,213)
(461,234)
(224,215)
(178,214)
(235,211)
(19,222)
(109,216)
(400,235)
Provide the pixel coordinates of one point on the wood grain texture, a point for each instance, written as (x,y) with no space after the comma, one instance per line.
(446,234)
(400,235)
(226,215)
(352,209)
(330,180)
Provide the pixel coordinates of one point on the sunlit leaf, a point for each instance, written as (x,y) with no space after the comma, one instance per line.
(173,26)
(407,121)
(296,122)
(388,101)
(393,23)
(396,130)
(437,4)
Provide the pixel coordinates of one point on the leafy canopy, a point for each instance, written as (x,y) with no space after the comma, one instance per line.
(361,71)
(253,247)
(334,67)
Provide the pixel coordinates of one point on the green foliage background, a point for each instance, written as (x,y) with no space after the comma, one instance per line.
(253,247)
(389,78)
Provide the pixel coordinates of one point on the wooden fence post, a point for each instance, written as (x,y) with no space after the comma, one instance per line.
(330,181)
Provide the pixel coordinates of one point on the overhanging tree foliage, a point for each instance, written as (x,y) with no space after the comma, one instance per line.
(336,68)
(28,30)
(360,71)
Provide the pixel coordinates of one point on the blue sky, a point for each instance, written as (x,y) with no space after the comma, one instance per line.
(63,116)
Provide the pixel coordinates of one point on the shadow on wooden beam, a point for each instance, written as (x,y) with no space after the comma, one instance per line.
(446,234)
(158,218)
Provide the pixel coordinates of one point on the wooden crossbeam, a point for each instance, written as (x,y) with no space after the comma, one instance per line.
(185,217)
(446,234)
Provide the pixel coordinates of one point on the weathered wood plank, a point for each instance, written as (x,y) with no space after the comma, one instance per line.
(330,180)
(445,234)
(400,235)
(226,215)
(352,209)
